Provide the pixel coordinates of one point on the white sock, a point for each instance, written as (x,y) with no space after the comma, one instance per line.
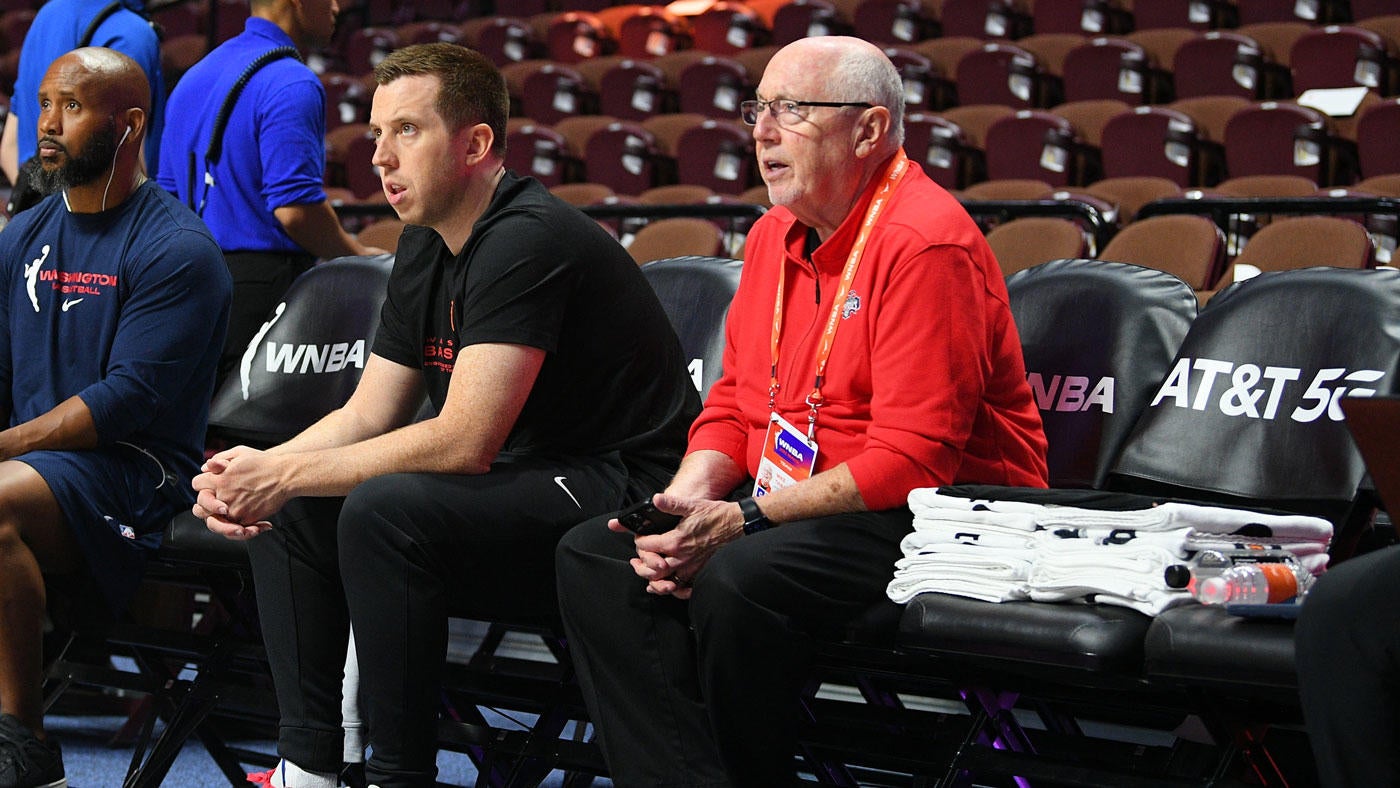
(289,775)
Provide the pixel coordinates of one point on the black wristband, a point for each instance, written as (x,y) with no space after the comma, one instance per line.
(754,519)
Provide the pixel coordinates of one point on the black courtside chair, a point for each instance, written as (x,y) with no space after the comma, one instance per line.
(502,674)
(205,670)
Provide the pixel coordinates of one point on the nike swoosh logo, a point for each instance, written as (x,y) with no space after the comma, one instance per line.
(70,303)
(559,480)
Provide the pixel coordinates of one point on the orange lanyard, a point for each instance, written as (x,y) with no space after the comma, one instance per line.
(893,175)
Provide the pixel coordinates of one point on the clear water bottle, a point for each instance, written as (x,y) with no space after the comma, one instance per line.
(1255,584)
(1218,577)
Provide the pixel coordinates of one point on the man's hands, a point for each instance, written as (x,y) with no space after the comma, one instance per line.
(237,491)
(669,561)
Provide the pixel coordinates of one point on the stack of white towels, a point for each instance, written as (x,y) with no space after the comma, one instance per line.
(1001,550)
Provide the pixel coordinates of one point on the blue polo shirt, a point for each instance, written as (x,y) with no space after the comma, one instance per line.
(274,149)
(57,29)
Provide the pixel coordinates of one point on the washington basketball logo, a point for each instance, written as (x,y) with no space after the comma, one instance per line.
(851,306)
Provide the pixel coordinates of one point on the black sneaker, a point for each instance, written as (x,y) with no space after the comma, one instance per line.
(26,762)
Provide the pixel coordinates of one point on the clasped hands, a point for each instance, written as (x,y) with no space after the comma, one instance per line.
(670,561)
(236,493)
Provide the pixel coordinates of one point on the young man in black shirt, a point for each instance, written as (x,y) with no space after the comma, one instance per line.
(560,393)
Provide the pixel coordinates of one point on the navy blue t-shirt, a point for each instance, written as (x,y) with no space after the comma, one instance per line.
(125,309)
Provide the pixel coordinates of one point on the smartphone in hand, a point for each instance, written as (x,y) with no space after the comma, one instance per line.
(644,519)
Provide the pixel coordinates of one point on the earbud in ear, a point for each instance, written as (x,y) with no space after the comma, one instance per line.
(125,134)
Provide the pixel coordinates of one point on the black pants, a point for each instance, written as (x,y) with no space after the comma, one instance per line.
(705,692)
(396,557)
(1348,655)
(259,281)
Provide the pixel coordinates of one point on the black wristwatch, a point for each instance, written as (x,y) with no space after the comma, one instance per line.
(754,519)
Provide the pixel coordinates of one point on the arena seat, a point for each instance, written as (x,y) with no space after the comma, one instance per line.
(696,293)
(304,363)
(1343,56)
(676,237)
(1283,138)
(1191,248)
(583,193)
(364,48)
(627,88)
(1263,186)
(1050,49)
(547,91)
(347,99)
(1326,332)
(1192,14)
(14,24)
(646,31)
(1376,133)
(1113,68)
(1034,144)
(943,55)
(1002,73)
(577,35)
(537,150)
(1001,189)
(1227,63)
(803,19)
(1315,12)
(1154,141)
(940,146)
(382,234)
(349,151)
(1093,18)
(428,31)
(713,86)
(985,19)
(924,87)
(717,154)
(890,21)
(1162,44)
(1287,451)
(1322,328)
(1097,321)
(623,155)
(727,27)
(1129,321)
(1129,193)
(1306,241)
(1031,240)
(502,39)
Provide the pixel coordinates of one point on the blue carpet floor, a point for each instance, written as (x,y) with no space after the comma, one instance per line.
(93,761)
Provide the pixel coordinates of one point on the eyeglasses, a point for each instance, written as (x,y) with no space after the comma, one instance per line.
(786,111)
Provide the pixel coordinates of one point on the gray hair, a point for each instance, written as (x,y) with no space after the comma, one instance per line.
(865,75)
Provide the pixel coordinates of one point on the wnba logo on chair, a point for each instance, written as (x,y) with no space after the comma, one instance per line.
(1264,392)
(293,358)
(1071,393)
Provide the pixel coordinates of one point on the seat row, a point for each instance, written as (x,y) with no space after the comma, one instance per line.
(1037,677)
(1194,142)
(1181,410)
(579,30)
(1192,248)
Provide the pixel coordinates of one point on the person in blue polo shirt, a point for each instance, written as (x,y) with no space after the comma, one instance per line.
(261,193)
(63,25)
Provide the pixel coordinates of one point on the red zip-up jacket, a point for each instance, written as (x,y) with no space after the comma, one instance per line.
(925,385)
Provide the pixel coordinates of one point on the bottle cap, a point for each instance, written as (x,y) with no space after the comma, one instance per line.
(1213,591)
(1177,576)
